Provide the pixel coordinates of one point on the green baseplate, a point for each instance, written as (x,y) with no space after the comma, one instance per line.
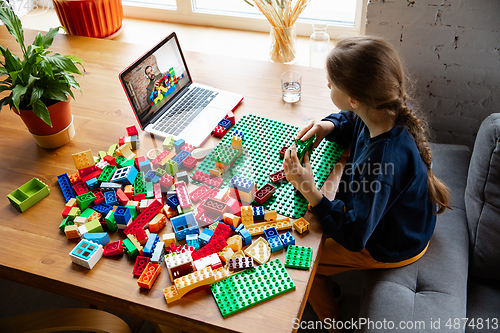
(263,139)
(250,287)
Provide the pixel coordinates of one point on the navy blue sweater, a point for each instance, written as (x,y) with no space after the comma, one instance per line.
(382,203)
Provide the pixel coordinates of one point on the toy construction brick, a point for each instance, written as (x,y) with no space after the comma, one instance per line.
(191,281)
(192,240)
(110,159)
(239,134)
(225,254)
(278,177)
(207,179)
(183,225)
(150,245)
(157,223)
(235,243)
(160,172)
(99,197)
(212,260)
(298,257)
(171,167)
(80,188)
(145,166)
(189,162)
(183,195)
(264,193)
(214,207)
(224,154)
(215,245)
(283,151)
(219,131)
(180,157)
(182,176)
(83,159)
(149,275)
(101,164)
(29,194)
(231,297)
(301,225)
(110,198)
(92,183)
(198,192)
(124,175)
(179,265)
(113,249)
(75,178)
(225,123)
(258,228)
(173,202)
(110,221)
(125,151)
(275,244)
(101,238)
(168,143)
(105,187)
(107,173)
(243,232)
(66,187)
(166,181)
(93,226)
(270,233)
(144,217)
(65,222)
(231,219)
(168,239)
(304,146)
(158,253)
(178,145)
(86,254)
(241,184)
(258,213)
(84,200)
(287,239)
(205,236)
(239,264)
(132,130)
(71,231)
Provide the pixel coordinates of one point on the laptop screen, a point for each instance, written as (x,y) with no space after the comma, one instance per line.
(154,79)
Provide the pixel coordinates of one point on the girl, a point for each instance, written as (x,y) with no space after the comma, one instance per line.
(383,215)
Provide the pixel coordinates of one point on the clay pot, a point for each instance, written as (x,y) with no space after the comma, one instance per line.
(62,130)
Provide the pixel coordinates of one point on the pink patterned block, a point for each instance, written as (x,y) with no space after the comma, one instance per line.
(200,191)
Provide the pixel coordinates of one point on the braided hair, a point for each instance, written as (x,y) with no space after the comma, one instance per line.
(369,71)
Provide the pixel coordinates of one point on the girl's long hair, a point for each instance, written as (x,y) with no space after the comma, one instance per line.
(369,71)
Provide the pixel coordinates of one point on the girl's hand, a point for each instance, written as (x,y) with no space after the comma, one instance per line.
(320,128)
(301,177)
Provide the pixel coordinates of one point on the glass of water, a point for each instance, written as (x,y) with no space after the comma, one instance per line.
(291,83)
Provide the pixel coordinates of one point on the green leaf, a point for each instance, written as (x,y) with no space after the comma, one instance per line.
(3,88)
(56,94)
(59,61)
(12,62)
(48,38)
(72,82)
(13,24)
(76,60)
(47,68)
(5,101)
(17,92)
(42,112)
(36,94)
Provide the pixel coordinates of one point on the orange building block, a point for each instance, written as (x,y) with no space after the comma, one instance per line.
(301,225)
(246,215)
(235,243)
(157,223)
(231,219)
(71,231)
(149,275)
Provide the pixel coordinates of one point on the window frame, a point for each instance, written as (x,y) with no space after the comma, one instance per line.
(184,14)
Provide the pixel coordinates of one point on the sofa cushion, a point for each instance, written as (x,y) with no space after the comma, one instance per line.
(483,305)
(482,201)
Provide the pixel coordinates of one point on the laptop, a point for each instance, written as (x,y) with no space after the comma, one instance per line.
(165,99)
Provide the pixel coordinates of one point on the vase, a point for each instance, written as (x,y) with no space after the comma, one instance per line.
(62,130)
(283,45)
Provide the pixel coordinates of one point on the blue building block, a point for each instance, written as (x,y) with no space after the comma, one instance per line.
(275,244)
(192,240)
(149,175)
(180,157)
(122,215)
(258,213)
(287,239)
(92,183)
(150,245)
(270,233)
(241,184)
(183,225)
(110,198)
(145,166)
(239,134)
(205,236)
(173,201)
(245,235)
(105,187)
(97,237)
(178,145)
(124,175)
(102,208)
(158,253)
(67,189)
(225,123)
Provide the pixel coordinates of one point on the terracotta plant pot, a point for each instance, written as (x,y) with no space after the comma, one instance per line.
(62,130)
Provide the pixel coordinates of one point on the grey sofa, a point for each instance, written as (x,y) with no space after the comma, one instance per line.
(459,276)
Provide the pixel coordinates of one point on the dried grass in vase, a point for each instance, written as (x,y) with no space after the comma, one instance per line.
(282,15)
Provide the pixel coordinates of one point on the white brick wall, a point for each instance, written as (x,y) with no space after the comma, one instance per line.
(451,49)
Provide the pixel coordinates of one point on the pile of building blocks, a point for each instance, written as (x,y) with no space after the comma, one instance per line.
(28,194)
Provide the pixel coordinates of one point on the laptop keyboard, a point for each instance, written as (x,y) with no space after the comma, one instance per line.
(174,121)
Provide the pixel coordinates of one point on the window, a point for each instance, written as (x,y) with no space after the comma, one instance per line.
(344,17)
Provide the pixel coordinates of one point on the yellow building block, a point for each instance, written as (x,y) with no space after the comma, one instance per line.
(258,228)
(186,283)
(72,203)
(124,150)
(95,216)
(237,142)
(260,251)
(231,219)
(168,239)
(246,215)
(71,231)
(216,172)
(136,243)
(226,253)
(301,225)
(83,159)
(235,242)
(270,215)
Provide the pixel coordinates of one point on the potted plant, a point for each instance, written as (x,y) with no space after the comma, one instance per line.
(40,83)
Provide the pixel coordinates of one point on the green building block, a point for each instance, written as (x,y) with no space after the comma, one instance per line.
(101,154)
(168,143)
(298,257)
(112,150)
(107,173)
(94,226)
(85,199)
(224,154)
(122,162)
(133,211)
(129,248)
(149,190)
(250,287)
(65,222)
(74,212)
(171,167)
(28,194)
(263,140)
(139,184)
(87,212)
(303,146)
(160,172)
(110,221)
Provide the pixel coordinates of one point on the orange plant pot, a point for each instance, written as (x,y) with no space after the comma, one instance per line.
(62,130)
(90,18)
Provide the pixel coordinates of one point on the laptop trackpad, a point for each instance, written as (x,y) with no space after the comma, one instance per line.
(201,127)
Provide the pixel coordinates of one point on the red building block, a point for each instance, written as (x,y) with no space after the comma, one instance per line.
(234,206)
(278,176)
(132,130)
(207,179)
(219,131)
(202,219)
(121,197)
(144,217)
(139,197)
(189,162)
(230,116)
(65,212)
(80,188)
(140,264)
(166,181)
(121,141)
(99,197)
(213,207)
(142,236)
(264,193)
(196,194)
(138,160)
(182,195)
(283,151)
(188,147)
(110,159)
(113,249)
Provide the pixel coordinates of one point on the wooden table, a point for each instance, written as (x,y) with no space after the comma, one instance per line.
(34,252)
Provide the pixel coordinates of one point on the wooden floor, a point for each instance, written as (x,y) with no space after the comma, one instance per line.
(237,43)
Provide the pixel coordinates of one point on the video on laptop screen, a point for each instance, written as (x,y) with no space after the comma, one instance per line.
(154,79)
